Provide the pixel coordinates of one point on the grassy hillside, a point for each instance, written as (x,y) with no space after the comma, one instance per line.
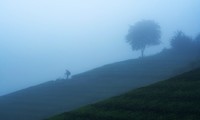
(175,99)
(54,97)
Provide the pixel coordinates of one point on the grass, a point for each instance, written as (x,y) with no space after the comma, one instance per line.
(175,99)
(55,97)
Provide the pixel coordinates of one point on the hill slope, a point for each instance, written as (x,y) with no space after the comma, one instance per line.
(175,99)
(55,97)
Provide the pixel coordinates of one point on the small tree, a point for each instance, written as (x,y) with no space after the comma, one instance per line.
(142,34)
(180,41)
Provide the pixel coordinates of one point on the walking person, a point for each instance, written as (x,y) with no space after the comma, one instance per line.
(67,73)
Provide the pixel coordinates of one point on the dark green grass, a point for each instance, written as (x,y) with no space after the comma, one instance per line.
(175,99)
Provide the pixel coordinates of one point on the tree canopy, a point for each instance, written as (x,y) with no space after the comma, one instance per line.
(144,33)
(181,41)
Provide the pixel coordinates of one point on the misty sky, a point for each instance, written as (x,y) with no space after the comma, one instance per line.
(39,39)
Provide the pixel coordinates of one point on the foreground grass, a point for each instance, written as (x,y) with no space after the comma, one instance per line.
(175,99)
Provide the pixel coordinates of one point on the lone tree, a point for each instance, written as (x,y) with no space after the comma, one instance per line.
(142,34)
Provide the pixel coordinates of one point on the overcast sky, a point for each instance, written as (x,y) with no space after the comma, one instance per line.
(39,39)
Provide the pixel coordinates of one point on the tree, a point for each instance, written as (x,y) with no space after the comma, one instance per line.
(181,42)
(142,34)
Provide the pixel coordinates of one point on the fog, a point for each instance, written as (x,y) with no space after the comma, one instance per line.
(40,39)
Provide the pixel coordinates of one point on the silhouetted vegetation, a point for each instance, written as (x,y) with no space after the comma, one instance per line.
(181,42)
(185,45)
(142,34)
(174,99)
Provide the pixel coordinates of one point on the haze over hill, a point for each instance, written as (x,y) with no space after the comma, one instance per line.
(54,97)
(93,39)
(39,39)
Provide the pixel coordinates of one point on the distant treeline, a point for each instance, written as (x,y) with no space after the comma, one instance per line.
(182,43)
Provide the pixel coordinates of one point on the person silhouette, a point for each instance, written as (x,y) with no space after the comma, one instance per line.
(67,73)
